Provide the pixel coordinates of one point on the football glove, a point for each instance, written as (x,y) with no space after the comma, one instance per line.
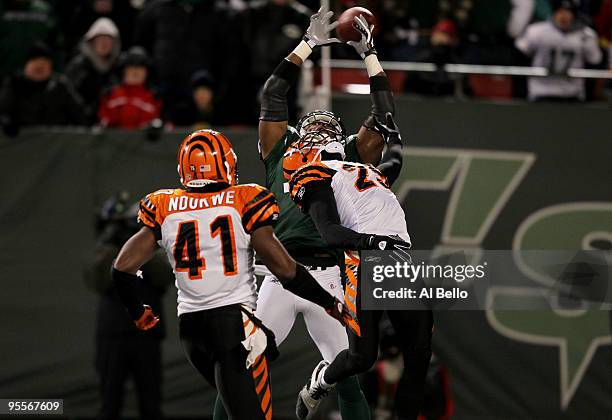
(365,46)
(340,312)
(384,243)
(317,34)
(147,320)
(388,129)
(398,247)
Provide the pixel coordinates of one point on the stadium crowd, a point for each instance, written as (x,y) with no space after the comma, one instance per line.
(133,63)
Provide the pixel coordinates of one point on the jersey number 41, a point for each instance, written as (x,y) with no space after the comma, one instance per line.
(187,253)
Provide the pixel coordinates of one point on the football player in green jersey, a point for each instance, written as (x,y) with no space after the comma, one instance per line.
(278,144)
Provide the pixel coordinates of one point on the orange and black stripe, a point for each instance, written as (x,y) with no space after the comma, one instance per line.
(147,215)
(294,159)
(214,145)
(261,378)
(308,178)
(146,211)
(260,211)
(351,270)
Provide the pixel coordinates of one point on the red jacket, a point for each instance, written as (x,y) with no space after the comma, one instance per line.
(128,107)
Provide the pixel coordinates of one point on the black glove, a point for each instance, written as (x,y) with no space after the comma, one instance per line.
(398,247)
(388,129)
(340,312)
(380,242)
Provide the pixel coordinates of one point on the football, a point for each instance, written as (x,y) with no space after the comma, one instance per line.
(345,30)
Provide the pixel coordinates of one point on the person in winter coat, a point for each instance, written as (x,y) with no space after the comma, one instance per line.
(78,15)
(93,68)
(130,104)
(184,36)
(38,96)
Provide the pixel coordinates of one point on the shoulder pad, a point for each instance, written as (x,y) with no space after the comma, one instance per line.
(259,207)
(308,178)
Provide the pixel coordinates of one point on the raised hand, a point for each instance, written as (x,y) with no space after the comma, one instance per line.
(317,34)
(365,46)
(388,129)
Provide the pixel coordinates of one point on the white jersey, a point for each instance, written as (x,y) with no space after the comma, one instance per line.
(207,239)
(558,51)
(363,198)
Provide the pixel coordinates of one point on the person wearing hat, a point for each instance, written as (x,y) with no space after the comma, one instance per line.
(130,104)
(558,44)
(184,36)
(38,96)
(78,16)
(199,112)
(203,99)
(92,69)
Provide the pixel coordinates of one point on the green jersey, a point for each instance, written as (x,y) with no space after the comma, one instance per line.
(296,230)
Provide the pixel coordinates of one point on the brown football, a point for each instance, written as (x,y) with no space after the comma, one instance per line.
(345,30)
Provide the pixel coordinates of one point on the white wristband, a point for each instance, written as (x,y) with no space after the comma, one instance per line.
(372,65)
(303,50)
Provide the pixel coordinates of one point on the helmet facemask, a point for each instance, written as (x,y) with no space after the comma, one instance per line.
(319,128)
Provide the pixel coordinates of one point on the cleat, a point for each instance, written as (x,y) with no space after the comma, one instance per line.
(313,392)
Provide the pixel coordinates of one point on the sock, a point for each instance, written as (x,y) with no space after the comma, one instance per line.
(219,410)
(352,402)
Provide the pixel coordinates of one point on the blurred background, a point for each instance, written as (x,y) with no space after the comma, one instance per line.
(505,108)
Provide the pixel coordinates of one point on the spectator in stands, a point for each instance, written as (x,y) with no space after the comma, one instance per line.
(489,28)
(200,113)
(403,28)
(203,99)
(79,15)
(183,36)
(92,69)
(38,96)
(23,23)
(406,25)
(442,50)
(130,104)
(285,22)
(559,44)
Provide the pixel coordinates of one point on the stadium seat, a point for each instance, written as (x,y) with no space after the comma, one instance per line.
(491,86)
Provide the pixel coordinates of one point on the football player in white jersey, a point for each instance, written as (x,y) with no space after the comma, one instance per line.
(209,230)
(354,209)
(278,142)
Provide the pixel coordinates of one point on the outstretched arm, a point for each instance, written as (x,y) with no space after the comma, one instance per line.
(391,163)
(369,142)
(274,115)
(322,209)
